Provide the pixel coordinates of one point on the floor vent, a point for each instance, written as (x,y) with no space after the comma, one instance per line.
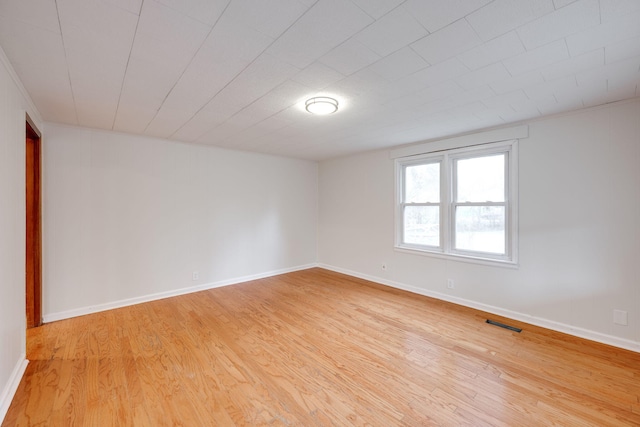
(502,325)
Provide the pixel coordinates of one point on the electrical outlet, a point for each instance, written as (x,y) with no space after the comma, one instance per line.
(450,284)
(195,275)
(620,317)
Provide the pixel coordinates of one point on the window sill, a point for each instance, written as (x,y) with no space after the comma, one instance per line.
(472,260)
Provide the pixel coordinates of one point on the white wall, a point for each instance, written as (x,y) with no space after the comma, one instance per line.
(579,231)
(128,217)
(13,105)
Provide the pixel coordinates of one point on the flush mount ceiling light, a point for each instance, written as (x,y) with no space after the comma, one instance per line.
(321,105)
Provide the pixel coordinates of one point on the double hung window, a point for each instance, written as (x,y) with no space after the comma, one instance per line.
(459,202)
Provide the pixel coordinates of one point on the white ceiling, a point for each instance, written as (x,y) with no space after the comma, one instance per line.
(233,73)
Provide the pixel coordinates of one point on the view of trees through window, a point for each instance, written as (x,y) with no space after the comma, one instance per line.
(422,220)
(480,219)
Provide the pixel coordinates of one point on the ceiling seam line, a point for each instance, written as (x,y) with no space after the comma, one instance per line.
(66,59)
(186,67)
(247,106)
(126,68)
(239,73)
(340,44)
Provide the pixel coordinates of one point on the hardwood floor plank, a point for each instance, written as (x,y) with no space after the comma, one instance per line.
(317,348)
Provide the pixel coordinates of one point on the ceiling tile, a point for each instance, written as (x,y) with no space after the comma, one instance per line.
(377,8)
(255,81)
(92,80)
(97,40)
(280,98)
(357,84)
(551,87)
(622,50)
(525,105)
(571,19)
(447,42)
(88,27)
(35,13)
(229,49)
(537,58)
(436,14)
(349,57)
(31,46)
(142,95)
(327,24)
(52,94)
(612,31)
(518,116)
(483,76)
(574,65)
(616,9)
(270,17)
(562,3)
(430,94)
(495,50)
(392,32)
(262,76)
(491,116)
(132,6)
(317,76)
(205,11)
(203,121)
(258,134)
(597,96)
(399,64)
(272,124)
(38,57)
(519,82)
(549,106)
(623,90)
(132,117)
(221,133)
(462,99)
(430,76)
(517,97)
(156,64)
(502,16)
(617,73)
(165,26)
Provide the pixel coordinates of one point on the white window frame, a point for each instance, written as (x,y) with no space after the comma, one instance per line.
(447,159)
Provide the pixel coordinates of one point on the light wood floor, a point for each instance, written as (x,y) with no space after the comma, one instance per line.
(317,348)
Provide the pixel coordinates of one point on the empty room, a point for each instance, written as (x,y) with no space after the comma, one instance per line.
(319,212)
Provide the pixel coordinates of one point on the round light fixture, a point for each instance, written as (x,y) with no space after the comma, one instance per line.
(321,105)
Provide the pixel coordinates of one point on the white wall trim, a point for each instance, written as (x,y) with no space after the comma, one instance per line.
(497,135)
(12,386)
(533,320)
(33,111)
(52,317)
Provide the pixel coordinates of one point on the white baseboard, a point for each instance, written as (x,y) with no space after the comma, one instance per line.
(537,321)
(12,386)
(52,317)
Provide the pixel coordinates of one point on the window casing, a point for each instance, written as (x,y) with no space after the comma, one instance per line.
(459,203)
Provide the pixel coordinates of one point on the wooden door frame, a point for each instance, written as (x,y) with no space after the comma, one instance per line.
(33,220)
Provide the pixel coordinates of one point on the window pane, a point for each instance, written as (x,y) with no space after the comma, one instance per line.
(422,225)
(481,179)
(480,228)
(422,183)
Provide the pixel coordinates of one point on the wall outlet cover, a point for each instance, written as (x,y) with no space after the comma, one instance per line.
(620,317)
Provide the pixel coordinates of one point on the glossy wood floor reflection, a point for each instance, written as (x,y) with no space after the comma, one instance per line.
(316,348)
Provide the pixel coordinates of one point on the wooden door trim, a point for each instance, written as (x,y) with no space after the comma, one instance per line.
(33,238)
